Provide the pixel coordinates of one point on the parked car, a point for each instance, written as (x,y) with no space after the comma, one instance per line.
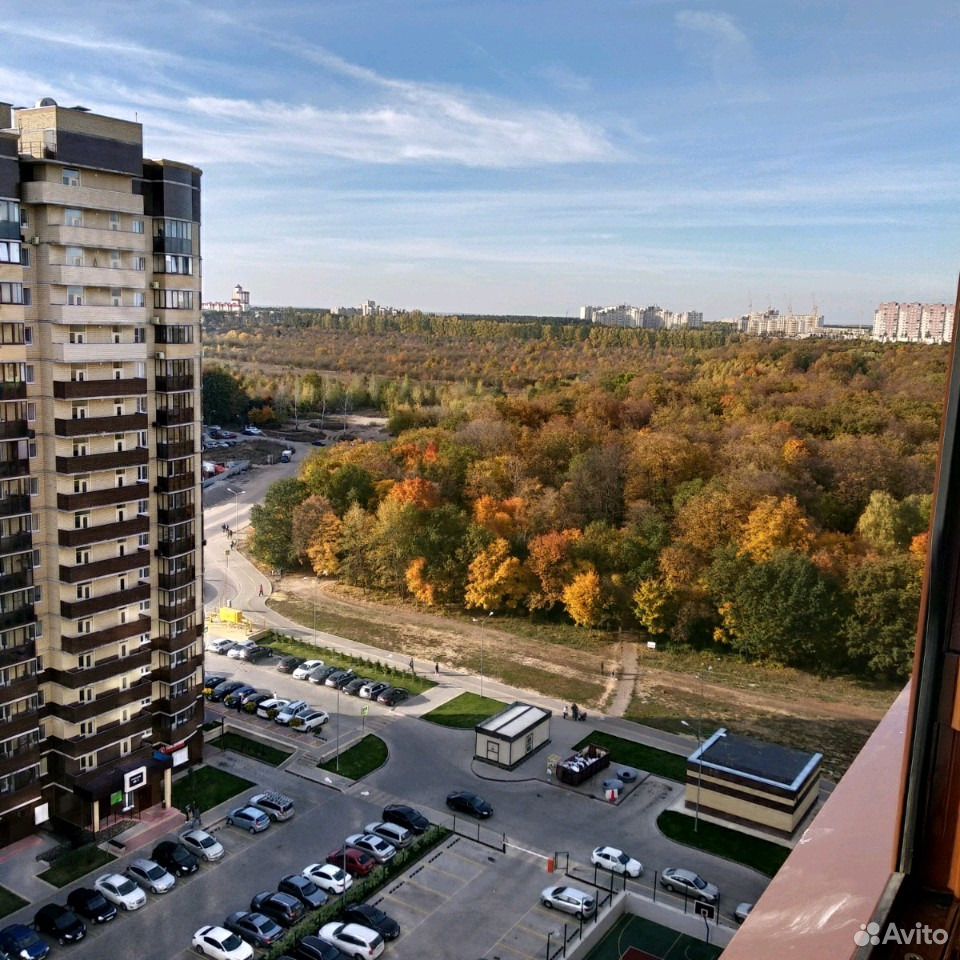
(221,944)
(202,845)
(353,939)
(689,883)
(304,889)
(271,703)
(320,674)
(282,907)
(292,709)
(275,805)
(305,669)
(616,861)
(742,912)
(255,654)
(377,847)
(353,687)
(255,928)
(408,817)
(392,696)
(219,644)
(288,664)
(120,890)
(256,698)
(20,942)
(393,833)
(175,857)
(60,923)
(248,818)
(318,442)
(359,863)
(312,720)
(328,877)
(151,876)
(369,916)
(313,948)
(91,904)
(252,431)
(338,676)
(221,690)
(373,689)
(463,801)
(213,680)
(569,900)
(232,699)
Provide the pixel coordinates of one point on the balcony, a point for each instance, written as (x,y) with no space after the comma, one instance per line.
(65,235)
(98,352)
(86,312)
(170,581)
(14,430)
(103,461)
(179,672)
(17,654)
(16,581)
(21,798)
(102,498)
(18,689)
(19,760)
(101,670)
(177,642)
(171,418)
(104,568)
(141,724)
(14,468)
(178,481)
(112,700)
(88,426)
(73,609)
(16,543)
(84,642)
(172,384)
(105,531)
(176,611)
(90,198)
(23,722)
(13,391)
(93,274)
(172,705)
(172,451)
(176,515)
(88,389)
(12,506)
(174,548)
(18,617)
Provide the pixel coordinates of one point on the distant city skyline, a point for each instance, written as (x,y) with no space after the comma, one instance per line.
(529,158)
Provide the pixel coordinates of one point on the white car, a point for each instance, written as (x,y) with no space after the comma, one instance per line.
(377,847)
(219,644)
(237,651)
(304,669)
(120,890)
(616,861)
(742,912)
(569,899)
(293,709)
(221,944)
(352,939)
(312,720)
(391,832)
(151,876)
(202,845)
(329,878)
(373,689)
(274,703)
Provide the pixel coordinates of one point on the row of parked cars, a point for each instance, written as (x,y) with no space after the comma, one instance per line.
(346,680)
(360,931)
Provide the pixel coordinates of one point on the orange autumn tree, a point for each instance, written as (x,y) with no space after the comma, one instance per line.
(496,579)
(418,583)
(776,524)
(503,518)
(584,599)
(416,492)
(552,563)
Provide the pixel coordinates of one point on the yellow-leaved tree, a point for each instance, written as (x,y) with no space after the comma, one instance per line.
(584,599)
(496,579)
(775,524)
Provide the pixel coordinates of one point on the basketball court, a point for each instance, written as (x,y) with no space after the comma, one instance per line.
(633,938)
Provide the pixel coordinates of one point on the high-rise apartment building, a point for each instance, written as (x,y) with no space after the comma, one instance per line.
(100,526)
(914,322)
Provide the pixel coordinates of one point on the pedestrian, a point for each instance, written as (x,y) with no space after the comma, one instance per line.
(574,710)
(436,669)
(261,589)
(564,711)
(411,666)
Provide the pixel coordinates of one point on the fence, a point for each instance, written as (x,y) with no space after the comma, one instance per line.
(573,929)
(472,830)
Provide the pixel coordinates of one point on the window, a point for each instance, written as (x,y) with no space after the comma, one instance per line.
(115,299)
(142,474)
(29,373)
(34,486)
(80,482)
(120,476)
(89,760)
(143,540)
(28,335)
(36,558)
(173,299)
(173,263)
(85,661)
(82,556)
(139,335)
(74,256)
(73,218)
(75,296)
(81,520)
(78,334)
(84,626)
(137,226)
(70,177)
(143,507)
(10,252)
(84,590)
(115,259)
(118,371)
(80,448)
(139,298)
(24,256)
(140,263)
(142,438)
(116,330)
(85,694)
(144,573)
(87,727)
(12,293)
(38,594)
(32,449)
(114,220)
(10,212)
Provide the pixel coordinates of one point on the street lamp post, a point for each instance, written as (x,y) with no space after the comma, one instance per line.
(482,624)
(338,734)
(226,574)
(236,500)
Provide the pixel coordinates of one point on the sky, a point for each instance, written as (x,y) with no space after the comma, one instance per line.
(529,157)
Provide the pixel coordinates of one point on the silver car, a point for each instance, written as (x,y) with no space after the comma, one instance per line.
(151,876)
(377,847)
(690,883)
(391,832)
(569,899)
(202,845)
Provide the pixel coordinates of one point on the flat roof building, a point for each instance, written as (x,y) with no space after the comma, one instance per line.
(509,737)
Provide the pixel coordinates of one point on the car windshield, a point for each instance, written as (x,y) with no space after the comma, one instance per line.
(205,841)
(126,887)
(231,943)
(64,920)
(623,858)
(155,872)
(95,901)
(262,923)
(699,882)
(22,938)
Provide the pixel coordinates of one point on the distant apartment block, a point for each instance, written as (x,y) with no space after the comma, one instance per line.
(642,318)
(239,303)
(914,322)
(369,308)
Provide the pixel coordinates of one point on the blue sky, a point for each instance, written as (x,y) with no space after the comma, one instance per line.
(530,157)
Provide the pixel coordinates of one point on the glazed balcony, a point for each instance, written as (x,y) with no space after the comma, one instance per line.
(174,451)
(14,505)
(172,384)
(170,581)
(175,548)
(171,418)
(179,481)
(179,672)
(15,543)
(176,514)
(14,430)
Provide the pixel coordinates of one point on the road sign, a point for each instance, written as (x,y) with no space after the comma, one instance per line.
(364,711)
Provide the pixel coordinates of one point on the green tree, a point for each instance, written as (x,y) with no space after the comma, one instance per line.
(272,523)
(224,400)
(889,525)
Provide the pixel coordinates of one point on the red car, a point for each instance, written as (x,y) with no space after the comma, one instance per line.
(356,862)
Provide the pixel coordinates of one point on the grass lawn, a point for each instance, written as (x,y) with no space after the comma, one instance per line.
(362,758)
(630,754)
(465,711)
(75,864)
(207,787)
(753,852)
(251,748)
(10,902)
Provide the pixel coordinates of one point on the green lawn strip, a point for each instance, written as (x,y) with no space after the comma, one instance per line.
(733,845)
(374,669)
(251,748)
(362,758)
(627,753)
(464,711)
(10,902)
(73,865)
(207,787)
(362,889)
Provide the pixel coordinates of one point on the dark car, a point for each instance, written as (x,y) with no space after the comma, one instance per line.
(175,857)
(255,928)
(321,673)
(223,689)
(214,680)
(232,699)
(462,801)
(348,677)
(282,907)
(91,904)
(407,817)
(255,654)
(61,923)
(313,948)
(353,687)
(19,942)
(318,443)
(257,698)
(305,890)
(289,664)
(357,863)
(372,917)
(392,696)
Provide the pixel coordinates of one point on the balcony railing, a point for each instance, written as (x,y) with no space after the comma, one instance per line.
(179,672)
(141,723)
(14,468)
(171,705)
(88,426)
(13,391)
(102,498)
(19,760)
(170,581)
(13,429)
(173,451)
(178,641)
(11,506)
(103,461)
(73,609)
(18,617)
(103,568)
(174,548)
(22,797)
(112,700)
(176,514)
(173,384)
(83,536)
(15,543)
(87,389)
(17,654)
(171,418)
(176,611)
(16,581)
(83,642)
(101,670)
(179,481)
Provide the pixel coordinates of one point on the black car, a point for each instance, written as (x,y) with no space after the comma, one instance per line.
(289,664)
(175,857)
(313,948)
(214,680)
(61,923)
(257,698)
(91,904)
(221,690)
(392,696)
(305,890)
(372,917)
(282,907)
(462,801)
(348,677)
(353,687)
(232,699)
(255,928)
(407,817)
(255,654)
